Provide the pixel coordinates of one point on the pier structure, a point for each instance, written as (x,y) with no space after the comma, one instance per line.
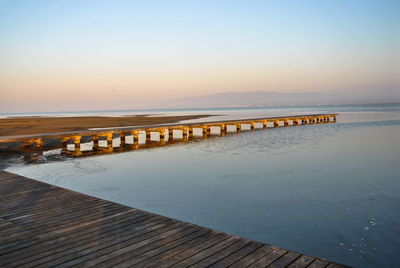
(36,142)
(165,133)
(44,225)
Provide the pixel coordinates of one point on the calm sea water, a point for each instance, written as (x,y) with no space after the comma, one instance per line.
(329,190)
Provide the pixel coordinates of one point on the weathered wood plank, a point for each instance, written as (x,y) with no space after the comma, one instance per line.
(335,265)
(155,258)
(45,199)
(111,260)
(222,253)
(207,252)
(301,262)
(318,264)
(91,234)
(90,245)
(285,260)
(149,234)
(73,219)
(253,257)
(192,251)
(234,257)
(51,236)
(45,226)
(269,258)
(156,251)
(26,218)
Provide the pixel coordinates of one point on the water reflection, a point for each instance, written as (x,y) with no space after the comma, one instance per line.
(37,150)
(330,190)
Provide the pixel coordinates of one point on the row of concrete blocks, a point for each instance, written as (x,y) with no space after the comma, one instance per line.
(187,131)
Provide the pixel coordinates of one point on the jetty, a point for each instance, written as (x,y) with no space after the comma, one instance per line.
(42,225)
(100,141)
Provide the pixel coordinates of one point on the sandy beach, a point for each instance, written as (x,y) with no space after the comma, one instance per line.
(39,125)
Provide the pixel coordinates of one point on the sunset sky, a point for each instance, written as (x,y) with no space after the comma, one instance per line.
(98,55)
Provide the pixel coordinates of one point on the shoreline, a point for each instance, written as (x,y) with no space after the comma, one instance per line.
(39,125)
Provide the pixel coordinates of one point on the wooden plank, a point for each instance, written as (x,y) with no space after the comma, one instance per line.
(207,252)
(40,216)
(285,260)
(89,245)
(36,215)
(50,226)
(7,198)
(190,252)
(336,265)
(83,256)
(222,253)
(64,242)
(35,201)
(86,219)
(318,264)
(47,233)
(157,257)
(10,191)
(137,249)
(269,258)
(26,196)
(4,175)
(92,229)
(302,262)
(71,219)
(234,257)
(185,240)
(32,197)
(254,256)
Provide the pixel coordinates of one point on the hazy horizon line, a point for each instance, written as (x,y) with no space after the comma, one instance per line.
(199,108)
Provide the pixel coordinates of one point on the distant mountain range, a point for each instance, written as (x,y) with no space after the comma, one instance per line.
(269,98)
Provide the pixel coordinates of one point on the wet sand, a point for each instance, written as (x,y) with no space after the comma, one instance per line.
(39,125)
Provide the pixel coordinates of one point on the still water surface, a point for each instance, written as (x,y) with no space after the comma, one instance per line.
(329,190)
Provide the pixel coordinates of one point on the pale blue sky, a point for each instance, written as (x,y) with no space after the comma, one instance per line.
(115,51)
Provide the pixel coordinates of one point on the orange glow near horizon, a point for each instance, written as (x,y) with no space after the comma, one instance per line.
(91,56)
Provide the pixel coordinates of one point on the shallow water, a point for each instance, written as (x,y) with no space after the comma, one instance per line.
(329,190)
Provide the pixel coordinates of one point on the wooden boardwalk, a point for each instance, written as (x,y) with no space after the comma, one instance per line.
(45,226)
